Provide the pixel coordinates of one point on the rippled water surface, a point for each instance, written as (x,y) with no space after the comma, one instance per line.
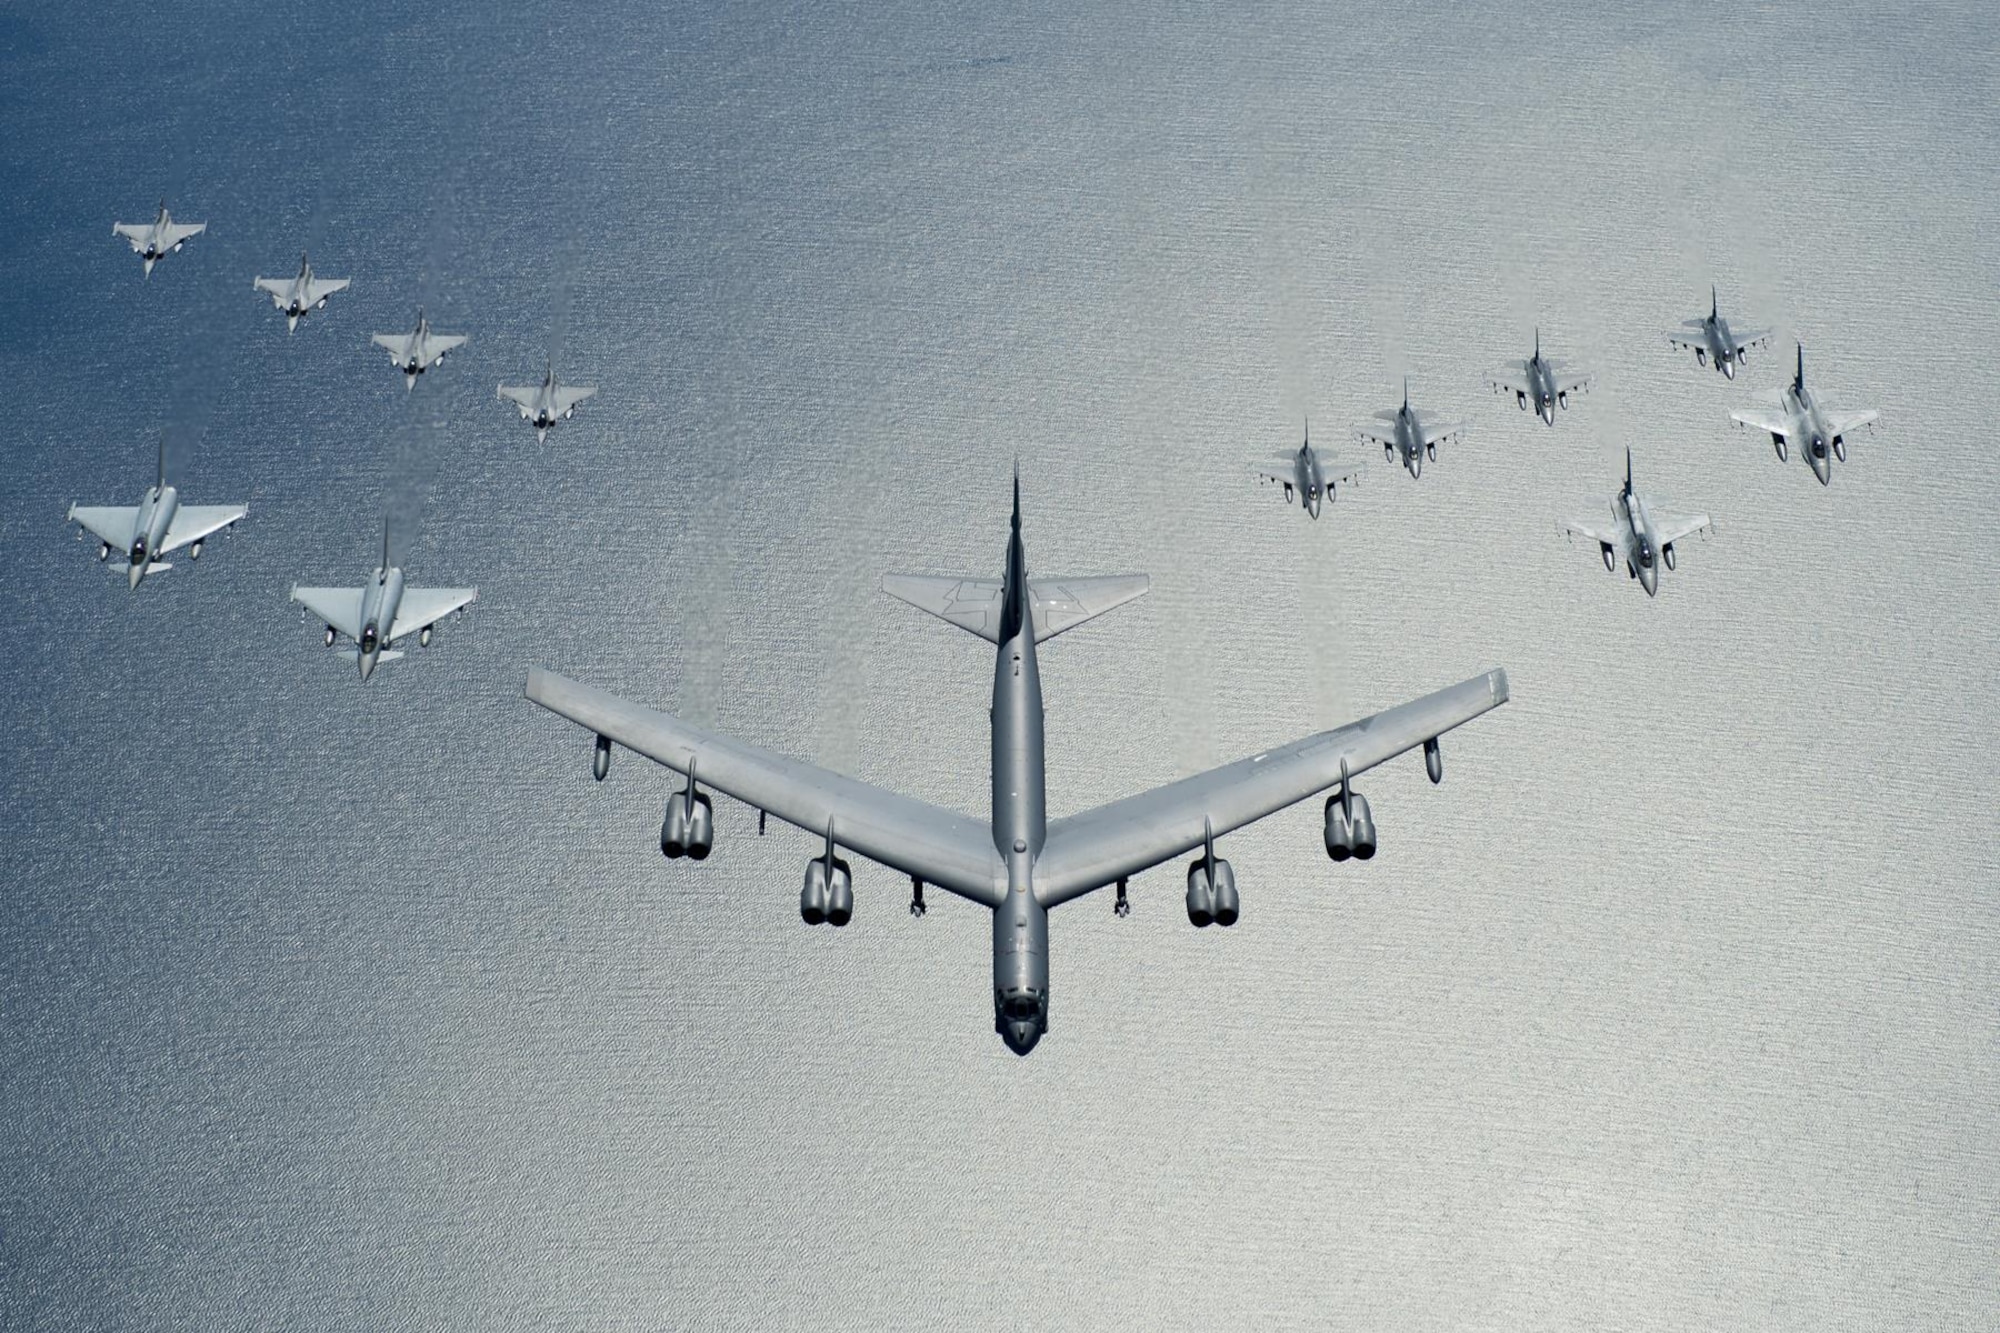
(331,1006)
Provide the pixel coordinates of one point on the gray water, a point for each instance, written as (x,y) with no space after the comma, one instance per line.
(337,1007)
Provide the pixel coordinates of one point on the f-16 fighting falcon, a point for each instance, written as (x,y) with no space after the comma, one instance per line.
(1408,436)
(1544,381)
(418,350)
(1797,417)
(1307,473)
(1639,535)
(1019,865)
(153,241)
(157,525)
(382,613)
(1714,343)
(301,295)
(546,403)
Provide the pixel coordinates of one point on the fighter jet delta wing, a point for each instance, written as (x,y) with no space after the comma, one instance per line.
(423,607)
(1108,844)
(953,851)
(340,608)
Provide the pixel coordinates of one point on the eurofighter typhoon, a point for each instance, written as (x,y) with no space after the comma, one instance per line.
(1018,865)
(157,525)
(155,240)
(381,613)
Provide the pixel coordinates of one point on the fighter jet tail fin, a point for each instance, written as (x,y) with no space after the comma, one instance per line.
(976,605)
(1628,469)
(1799,379)
(160,473)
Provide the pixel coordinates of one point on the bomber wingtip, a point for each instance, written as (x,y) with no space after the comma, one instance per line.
(1498,678)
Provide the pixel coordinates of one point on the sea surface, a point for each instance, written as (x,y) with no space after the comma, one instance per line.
(337,1006)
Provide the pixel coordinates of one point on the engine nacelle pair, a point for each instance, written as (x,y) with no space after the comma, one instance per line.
(828,893)
(1211,893)
(689,827)
(1350,827)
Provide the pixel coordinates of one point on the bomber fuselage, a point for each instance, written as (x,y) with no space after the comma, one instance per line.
(1020,815)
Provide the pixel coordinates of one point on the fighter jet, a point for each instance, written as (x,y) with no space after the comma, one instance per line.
(1713,342)
(1019,865)
(546,403)
(153,241)
(157,525)
(301,295)
(1639,535)
(1544,381)
(1797,417)
(1306,473)
(381,613)
(1408,435)
(418,350)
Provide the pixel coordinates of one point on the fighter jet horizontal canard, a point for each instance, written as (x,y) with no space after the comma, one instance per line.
(1639,535)
(1796,417)
(1309,475)
(544,404)
(153,241)
(1544,382)
(1714,343)
(382,613)
(418,350)
(1019,865)
(157,525)
(1404,432)
(299,296)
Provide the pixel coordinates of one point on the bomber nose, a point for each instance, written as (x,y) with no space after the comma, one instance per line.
(1021,1034)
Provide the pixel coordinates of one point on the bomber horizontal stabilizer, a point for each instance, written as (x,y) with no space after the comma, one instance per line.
(974,605)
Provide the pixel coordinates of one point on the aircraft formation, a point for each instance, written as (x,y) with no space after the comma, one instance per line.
(1017,863)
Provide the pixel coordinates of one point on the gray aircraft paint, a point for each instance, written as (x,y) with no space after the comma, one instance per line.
(1714,343)
(1640,538)
(1306,476)
(1540,384)
(155,240)
(301,294)
(543,405)
(381,613)
(157,525)
(417,351)
(1801,421)
(1408,438)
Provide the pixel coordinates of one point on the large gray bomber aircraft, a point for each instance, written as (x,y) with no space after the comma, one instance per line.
(1640,536)
(381,613)
(1796,417)
(1408,435)
(1309,475)
(157,525)
(1020,865)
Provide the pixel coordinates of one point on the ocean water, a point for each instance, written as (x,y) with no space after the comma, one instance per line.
(345,1007)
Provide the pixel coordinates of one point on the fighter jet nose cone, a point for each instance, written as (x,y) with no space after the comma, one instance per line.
(1729,370)
(1022,1036)
(367,665)
(133,573)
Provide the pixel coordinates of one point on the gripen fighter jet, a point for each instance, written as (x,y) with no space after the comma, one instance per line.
(1408,435)
(418,350)
(1797,417)
(1639,535)
(1019,865)
(153,241)
(546,403)
(1714,343)
(382,613)
(157,525)
(1308,474)
(1544,381)
(301,295)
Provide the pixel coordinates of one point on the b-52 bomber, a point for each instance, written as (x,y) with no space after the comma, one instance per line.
(157,525)
(1018,864)
(155,240)
(1797,418)
(1714,343)
(1408,436)
(1545,382)
(417,351)
(1639,536)
(300,295)
(1306,473)
(544,404)
(382,613)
